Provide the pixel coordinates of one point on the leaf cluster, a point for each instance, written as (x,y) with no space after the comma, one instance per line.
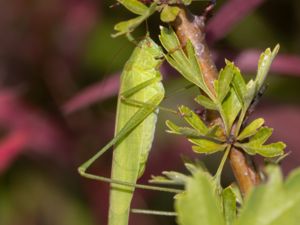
(167,9)
(232,98)
(204,202)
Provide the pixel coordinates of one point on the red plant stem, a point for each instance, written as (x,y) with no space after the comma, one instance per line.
(191,27)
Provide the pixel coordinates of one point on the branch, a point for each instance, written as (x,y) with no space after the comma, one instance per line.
(191,27)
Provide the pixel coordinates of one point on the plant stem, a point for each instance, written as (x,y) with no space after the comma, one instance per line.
(243,171)
(188,26)
(222,163)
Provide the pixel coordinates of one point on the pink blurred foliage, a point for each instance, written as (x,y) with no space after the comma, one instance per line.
(226,18)
(45,39)
(28,129)
(285,64)
(95,93)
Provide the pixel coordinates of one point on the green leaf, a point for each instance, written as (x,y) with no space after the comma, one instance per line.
(177,177)
(186,65)
(270,150)
(195,167)
(134,6)
(251,129)
(273,203)
(172,2)
(169,13)
(255,144)
(186,131)
(193,119)
(261,136)
(237,192)
(199,204)
(206,146)
(128,26)
(162,180)
(229,205)
(239,85)
(231,107)
(250,94)
(206,102)
(264,65)
(193,59)
(169,177)
(225,77)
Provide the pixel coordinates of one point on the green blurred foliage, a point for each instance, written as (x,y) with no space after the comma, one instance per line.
(31,195)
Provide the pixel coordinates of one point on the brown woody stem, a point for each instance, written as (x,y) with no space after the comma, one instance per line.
(188,26)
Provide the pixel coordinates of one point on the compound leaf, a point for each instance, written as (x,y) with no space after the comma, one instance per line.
(193,119)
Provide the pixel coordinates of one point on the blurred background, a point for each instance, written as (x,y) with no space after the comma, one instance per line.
(59,76)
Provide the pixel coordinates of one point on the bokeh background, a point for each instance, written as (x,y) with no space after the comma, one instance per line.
(59,76)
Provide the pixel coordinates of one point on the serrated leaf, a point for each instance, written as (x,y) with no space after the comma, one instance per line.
(184,64)
(174,129)
(163,181)
(194,167)
(251,129)
(193,59)
(186,131)
(273,203)
(193,119)
(250,94)
(225,77)
(169,13)
(134,6)
(270,150)
(128,26)
(206,102)
(239,85)
(159,180)
(206,146)
(231,107)
(264,65)
(261,136)
(229,205)
(199,203)
(177,177)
